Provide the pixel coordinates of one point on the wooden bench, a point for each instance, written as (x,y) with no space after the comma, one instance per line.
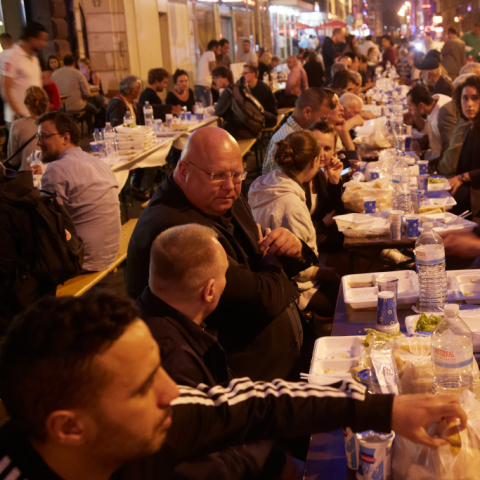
(285,111)
(271,130)
(245,147)
(77,286)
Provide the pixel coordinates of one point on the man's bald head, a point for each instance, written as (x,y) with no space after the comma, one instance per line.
(208,151)
(183,259)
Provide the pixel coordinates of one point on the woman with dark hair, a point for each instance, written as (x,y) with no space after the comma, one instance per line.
(279,199)
(52,63)
(467,101)
(181,94)
(93,78)
(314,69)
(352,44)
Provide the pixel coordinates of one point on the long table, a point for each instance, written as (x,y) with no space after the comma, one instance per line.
(326,455)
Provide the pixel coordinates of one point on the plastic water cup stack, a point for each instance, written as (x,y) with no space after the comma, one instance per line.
(395,221)
(417,197)
(432,277)
(422,182)
(387,320)
(388,284)
(452,354)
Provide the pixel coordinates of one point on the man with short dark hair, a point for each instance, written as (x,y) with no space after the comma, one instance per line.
(222,78)
(248,56)
(425,110)
(330,50)
(388,54)
(206,65)
(20,69)
(223,59)
(343,82)
(312,105)
(157,82)
(85,185)
(453,54)
(72,82)
(472,39)
(87,397)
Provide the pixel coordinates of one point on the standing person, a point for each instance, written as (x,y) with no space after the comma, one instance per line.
(472,39)
(248,56)
(206,65)
(157,82)
(85,185)
(314,71)
(181,94)
(366,45)
(223,59)
(388,54)
(330,51)
(453,54)
(6,41)
(297,82)
(21,69)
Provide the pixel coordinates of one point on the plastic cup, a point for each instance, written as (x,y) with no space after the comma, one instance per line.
(417,198)
(95,147)
(395,221)
(351,449)
(169,118)
(370,204)
(422,181)
(412,222)
(423,166)
(388,284)
(188,115)
(387,320)
(375,455)
(183,116)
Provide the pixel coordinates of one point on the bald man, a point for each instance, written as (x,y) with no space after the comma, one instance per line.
(257,319)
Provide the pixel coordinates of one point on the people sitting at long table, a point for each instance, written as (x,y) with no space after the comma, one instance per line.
(181,94)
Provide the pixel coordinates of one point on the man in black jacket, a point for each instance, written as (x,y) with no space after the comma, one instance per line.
(331,49)
(257,319)
(87,397)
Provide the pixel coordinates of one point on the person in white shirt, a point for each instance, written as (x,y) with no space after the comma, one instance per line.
(206,65)
(420,105)
(247,56)
(21,69)
(366,46)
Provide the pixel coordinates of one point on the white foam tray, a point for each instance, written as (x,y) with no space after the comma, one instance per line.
(463,225)
(367,297)
(459,284)
(351,225)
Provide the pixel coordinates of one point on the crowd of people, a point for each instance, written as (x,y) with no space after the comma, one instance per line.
(227,291)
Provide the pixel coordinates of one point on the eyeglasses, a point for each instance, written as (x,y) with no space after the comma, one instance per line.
(220,177)
(43,136)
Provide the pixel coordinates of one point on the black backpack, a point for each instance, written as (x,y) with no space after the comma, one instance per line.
(59,250)
(247,110)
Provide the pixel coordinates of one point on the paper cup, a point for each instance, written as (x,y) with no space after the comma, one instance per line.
(95,147)
(413,223)
(188,115)
(375,455)
(423,166)
(422,181)
(387,320)
(169,118)
(370,204)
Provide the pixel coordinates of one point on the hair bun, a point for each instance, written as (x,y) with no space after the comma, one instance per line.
(284,154)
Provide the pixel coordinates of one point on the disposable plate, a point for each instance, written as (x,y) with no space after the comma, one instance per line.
(457,280)
(350,226)
(359,297)
(442,219)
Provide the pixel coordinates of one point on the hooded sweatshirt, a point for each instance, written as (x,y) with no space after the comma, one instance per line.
(278,200)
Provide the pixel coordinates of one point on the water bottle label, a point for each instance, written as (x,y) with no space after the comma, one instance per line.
(449,359)
(429,256)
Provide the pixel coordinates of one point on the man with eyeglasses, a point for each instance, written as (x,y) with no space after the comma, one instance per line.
(84,184)
(257,319)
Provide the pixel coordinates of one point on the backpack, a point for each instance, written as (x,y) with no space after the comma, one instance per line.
(247,110)
(59,250)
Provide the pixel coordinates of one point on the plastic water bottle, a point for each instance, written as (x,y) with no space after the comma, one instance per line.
(128,118)
(97,137)
(266,78)
(109,143)
(148,115)
(452,354)
(432,278)
(402,199)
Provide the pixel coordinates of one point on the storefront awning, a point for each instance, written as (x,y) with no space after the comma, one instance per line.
(333,24)
(302,26)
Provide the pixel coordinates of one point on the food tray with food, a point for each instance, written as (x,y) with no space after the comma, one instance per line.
(464,285)
(361,292)
(438,198)
(440,221)
(362,224)
(438,182)
(133,130)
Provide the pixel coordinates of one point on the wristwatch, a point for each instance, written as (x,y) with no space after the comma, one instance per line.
(464,178)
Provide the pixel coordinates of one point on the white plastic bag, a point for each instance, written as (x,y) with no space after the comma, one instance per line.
(355,192)
(416,462)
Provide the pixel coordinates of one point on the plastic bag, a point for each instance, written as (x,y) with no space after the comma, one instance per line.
(416,462)
(379,137)
(355,192)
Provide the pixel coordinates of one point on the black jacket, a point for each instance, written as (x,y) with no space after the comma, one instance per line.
(18,287)
(159,109)
(116,110)
(256,319)
(315,73)
(215,417)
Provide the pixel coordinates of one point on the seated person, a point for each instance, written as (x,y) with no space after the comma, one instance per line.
(85,185)
(278,199)
(337,67)
(310,107)
(92,398)
(263,93)
(118,106)
(52,63)
(367,75)
(23,130)
(343,82)
(51,87)
(437,83)
(157,82)
(259,299)
(72,82)
(355,61)
(93,78)
(222,78)
(352,109)
(181,94)
(424,110)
